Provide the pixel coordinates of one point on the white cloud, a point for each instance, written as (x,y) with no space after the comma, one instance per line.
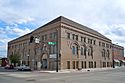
(107,17)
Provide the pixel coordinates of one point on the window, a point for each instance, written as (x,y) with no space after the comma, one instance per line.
(42,38)
(81,50)
(77,64)
(107,45)
(95,64)
(103,44)
(68,64)
(103,52)
(73,64)
(90,41)
(84,39)
(73,36)
(99,43)
(108,54)
(85,50)
(88,52)
(82,64)
(94,42)
(54,35)
(108,64)
(77,37)
(68,35)
(76,49)
(104,64)
(73,50)
(50,35)
(91,50)
(81,39)
(89,64)
(45,36)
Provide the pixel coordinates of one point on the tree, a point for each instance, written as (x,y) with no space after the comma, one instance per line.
(15,58)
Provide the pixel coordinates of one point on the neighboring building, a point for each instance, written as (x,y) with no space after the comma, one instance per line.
(4,62)
(118,55)
(77,46)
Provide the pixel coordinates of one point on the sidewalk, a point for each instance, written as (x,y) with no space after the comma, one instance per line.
(75,70)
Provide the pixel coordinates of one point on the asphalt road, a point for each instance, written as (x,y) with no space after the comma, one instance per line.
(107,76)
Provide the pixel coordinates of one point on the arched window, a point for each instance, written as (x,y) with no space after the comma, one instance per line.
(91,50)
(103,52)
(85,50)
(108,54)
(82,50)
(73,50)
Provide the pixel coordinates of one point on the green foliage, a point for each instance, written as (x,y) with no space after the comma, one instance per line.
(15,58)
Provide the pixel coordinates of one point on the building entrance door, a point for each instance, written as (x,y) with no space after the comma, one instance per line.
(44,62)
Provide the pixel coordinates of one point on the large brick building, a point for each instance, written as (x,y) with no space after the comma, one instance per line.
(118,55)
(77,46)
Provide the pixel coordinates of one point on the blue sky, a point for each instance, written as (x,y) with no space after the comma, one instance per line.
(18,17)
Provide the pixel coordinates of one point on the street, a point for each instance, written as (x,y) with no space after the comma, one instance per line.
(108,76)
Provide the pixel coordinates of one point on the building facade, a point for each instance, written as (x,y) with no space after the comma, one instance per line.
(118,55)
(77,47)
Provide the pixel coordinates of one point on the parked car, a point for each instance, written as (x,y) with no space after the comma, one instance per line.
(23,68)
(9,66)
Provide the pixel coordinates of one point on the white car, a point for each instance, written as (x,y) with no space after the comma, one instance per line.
(24,68)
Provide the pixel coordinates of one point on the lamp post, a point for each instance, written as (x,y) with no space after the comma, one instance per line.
(113,62)
(57,52)
(28,60)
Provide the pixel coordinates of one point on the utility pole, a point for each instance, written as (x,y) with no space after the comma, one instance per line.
(57,52)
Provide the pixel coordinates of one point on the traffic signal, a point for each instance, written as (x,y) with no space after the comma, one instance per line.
(31,39)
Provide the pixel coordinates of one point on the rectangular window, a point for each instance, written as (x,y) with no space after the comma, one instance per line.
(104,64)
(77,64)
(108,64)
(84,39)
(95,64)
(73,50)
(81,50)
(73,36)
(107,45)
(45,36)
(42,38)
(73,64)
(54,35)
(50,36)
(77,37)
(89,64)
(82,64)
(103,44)
(68,35)
(99,43)
(94,42)
(68,64)
(90,41)
(81,39)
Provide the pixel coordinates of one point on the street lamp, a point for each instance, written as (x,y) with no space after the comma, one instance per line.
(28,59)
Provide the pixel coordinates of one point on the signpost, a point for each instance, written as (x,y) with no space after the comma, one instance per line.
(51,43)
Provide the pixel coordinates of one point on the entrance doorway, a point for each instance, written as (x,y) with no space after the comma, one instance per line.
(44,61)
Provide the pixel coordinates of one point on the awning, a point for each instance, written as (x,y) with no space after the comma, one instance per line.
(116,60)
(123,61)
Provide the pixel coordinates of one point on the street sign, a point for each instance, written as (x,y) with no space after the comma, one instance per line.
(51,43)
(52,56)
